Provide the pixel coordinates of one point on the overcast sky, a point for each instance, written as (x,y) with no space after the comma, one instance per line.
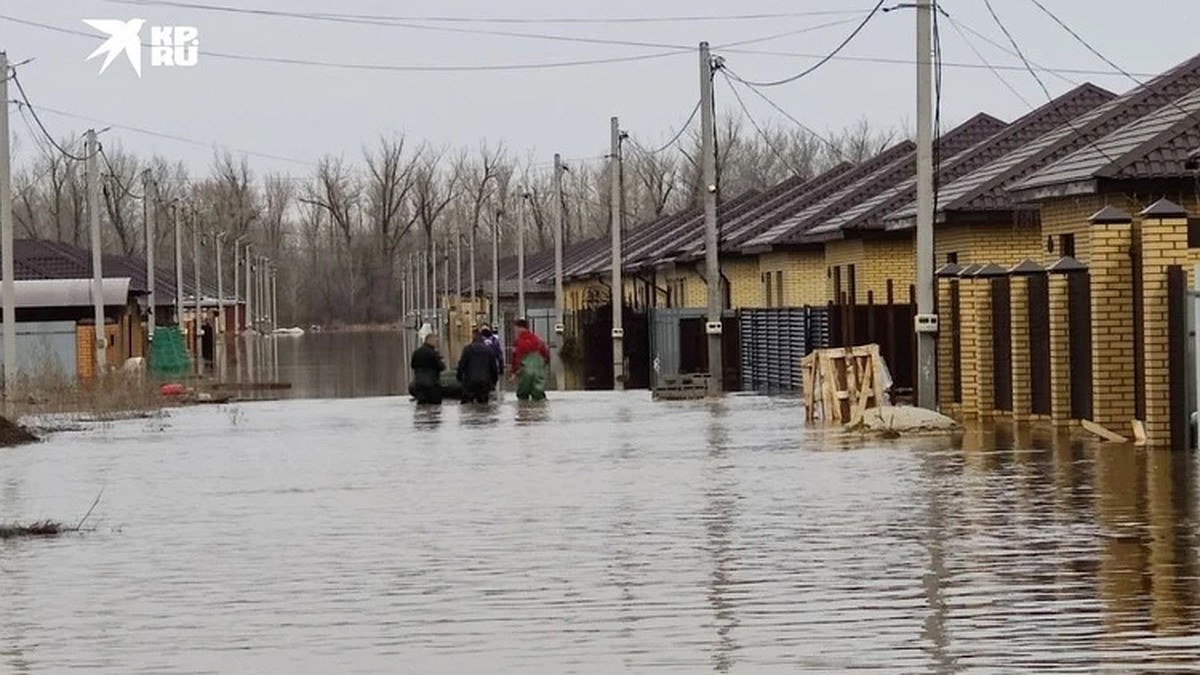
(305,111)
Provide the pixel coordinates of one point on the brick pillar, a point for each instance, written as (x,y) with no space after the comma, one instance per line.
(969,327)
(1021,360)
(985,373)
(945,346)
(1060,350)
(1164,243)
(1112,319)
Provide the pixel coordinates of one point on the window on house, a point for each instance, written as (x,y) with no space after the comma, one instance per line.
(779,289)
(1193,232)
(952,258)
(853,285)
(1066,245)
(766,278)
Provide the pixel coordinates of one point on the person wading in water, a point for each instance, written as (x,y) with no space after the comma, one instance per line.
(427,366)
(531,359)
(477,370)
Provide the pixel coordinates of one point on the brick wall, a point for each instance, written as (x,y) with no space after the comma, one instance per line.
(1112,325)
(875,261)
(1022,373)
(805,279)
(745,282)
(1004,244)
(985,375)
(1060,352)
(945,362)
(1164,243)
(969,327)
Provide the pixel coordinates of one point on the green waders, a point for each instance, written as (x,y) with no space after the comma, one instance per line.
(531,379)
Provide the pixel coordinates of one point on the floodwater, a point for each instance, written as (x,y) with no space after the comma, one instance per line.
(596,533)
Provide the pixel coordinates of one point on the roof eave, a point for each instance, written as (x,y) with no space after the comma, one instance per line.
(1039,193)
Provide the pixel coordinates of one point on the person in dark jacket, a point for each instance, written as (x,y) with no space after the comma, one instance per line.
(492,340)
(427,366)
(477,370)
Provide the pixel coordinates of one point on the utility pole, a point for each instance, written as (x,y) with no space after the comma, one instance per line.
(433,298)
(496,272)
(6,237)
(249,321)
(220,327)
(444,305)
(149,206)
(926,339)
(237,289)
(560,222)
(196,293)
(458,293)
(93,202)
(178,266)
(618,295)
(521,254)
(474,282)
(708,188)
(274,299)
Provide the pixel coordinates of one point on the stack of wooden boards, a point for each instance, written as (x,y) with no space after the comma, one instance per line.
(844,383)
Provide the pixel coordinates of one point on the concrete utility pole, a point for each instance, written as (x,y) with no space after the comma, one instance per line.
(93,202)
(444,305)
(474,282)
(926,339)
(149,206)
(708,187)
(560,223)
(618,295)
(249,321)
(496,272)
(458,293)
(220,327)
(274,299)
(6,236)
(199,332)
(178,266)
(521,254)
(433,299)
(237,289)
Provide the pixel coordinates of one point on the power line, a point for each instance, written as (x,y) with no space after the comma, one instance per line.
(534,20)
(172,137)
(1003,80)
(1060,73)
(853,34)
(36,118)
(1066,118)
(112,172)
(673,50)
(1109,62)
(754,123)
(830,144)
(674,139)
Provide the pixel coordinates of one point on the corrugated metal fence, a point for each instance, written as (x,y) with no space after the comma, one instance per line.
(774,341)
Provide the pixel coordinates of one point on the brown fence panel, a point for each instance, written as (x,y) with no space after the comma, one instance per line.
(1177,356)
(1079,304)
(1002,342)
(956,339)
(1039,343)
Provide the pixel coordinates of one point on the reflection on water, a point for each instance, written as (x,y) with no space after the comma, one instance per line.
(327,365)
(595,532)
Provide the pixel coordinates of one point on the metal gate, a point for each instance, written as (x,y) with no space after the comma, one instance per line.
(1079,303)
(1039,344)
(674,331)
(773,342)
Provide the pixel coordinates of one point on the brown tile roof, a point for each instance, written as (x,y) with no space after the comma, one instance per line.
(799,228)
(1158,145)
(899,202)
(985,190)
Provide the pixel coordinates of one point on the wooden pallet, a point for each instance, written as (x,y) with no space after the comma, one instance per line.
(681,387)
(844,383)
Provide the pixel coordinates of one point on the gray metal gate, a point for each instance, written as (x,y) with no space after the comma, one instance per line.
(664,338)
(774,341)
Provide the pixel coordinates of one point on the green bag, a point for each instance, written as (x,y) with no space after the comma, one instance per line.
(531,380)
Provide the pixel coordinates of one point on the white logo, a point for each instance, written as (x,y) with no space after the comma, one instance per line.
(169,45)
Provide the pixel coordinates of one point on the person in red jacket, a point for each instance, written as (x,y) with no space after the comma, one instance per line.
(531,359)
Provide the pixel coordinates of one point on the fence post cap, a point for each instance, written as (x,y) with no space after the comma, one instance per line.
(969,270)
(1110,215)
(991,270)
(948,270)
(1164,208)
(1066,264)
(1026,267)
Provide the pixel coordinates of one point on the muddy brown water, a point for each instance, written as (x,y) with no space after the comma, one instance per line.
(597,533)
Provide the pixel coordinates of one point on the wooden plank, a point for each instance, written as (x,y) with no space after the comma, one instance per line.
(1100,431)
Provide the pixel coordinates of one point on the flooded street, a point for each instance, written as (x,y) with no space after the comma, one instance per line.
(597,533)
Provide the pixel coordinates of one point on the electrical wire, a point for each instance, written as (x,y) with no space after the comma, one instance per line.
(531,20)
(828,143)
(1060,73)
(36,118)
(761,133)
(825,59)
(674,139)
(172,137)
(1065,117)
(1003,80)
(116,178)
(1078,38)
